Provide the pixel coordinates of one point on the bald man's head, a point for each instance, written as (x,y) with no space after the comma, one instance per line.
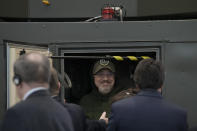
(33,68)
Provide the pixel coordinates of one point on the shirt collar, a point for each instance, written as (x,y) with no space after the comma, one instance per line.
(149,92)
(32,91)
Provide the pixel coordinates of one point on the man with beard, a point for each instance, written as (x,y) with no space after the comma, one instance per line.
(104,87)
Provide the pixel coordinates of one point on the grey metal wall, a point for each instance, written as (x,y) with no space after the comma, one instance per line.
(181,76)
(53,32)
(61,8)
(2,80)
(76,8)
(91,8)
(177,40)
(14,8)
(165,7)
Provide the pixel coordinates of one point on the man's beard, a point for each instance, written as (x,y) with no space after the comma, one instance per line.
(105,90)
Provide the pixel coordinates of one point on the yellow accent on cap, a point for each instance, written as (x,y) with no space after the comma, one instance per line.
(145,57)
(133,58)
(119,58)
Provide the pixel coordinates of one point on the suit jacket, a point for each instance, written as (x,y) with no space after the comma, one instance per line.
(147,111)
(96,125)
(80,121)
(39,112)
(77,115)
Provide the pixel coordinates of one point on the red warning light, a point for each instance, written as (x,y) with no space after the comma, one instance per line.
(108,13)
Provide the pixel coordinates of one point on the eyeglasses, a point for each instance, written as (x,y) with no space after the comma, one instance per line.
(104,74)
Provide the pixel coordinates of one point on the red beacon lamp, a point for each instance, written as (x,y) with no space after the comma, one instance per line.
(108,13)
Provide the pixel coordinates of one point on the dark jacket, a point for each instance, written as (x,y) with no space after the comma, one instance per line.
(80,122)
(95,103)
(96,125)
(147,111)
(39,112)
(77,114)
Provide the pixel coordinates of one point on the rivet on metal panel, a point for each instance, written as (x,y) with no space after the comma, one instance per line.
(43,26)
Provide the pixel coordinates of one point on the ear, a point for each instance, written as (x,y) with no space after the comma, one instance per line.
(59,85)
(160,89)
(19,86)
(137,86)
(17,79)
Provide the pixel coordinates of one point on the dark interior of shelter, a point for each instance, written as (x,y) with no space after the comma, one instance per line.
(79,69)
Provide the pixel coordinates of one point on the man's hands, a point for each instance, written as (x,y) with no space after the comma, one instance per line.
(103,117)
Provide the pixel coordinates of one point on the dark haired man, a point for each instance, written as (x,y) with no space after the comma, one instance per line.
(37,111)
(147,111)
(76,112)
(78,117)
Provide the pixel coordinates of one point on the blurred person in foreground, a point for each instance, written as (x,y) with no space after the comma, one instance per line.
(147,111)
(79,120)
(37,111)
